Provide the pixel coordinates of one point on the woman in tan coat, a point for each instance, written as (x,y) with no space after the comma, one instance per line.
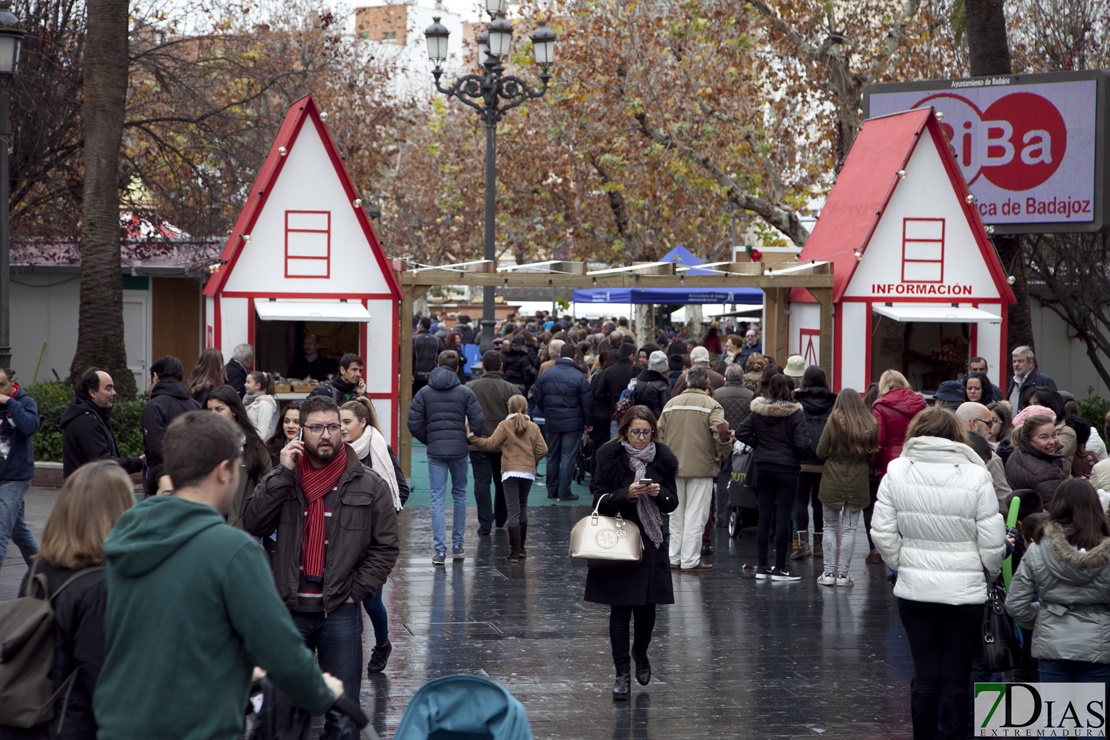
(521,446)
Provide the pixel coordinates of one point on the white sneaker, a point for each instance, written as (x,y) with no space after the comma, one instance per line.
(826,579)
(844,580)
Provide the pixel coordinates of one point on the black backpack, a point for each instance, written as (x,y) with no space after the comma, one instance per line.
(27,695)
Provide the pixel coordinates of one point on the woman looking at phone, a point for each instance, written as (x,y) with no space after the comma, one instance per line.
(634,475)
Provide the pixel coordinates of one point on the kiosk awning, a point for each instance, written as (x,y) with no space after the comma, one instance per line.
(294,310)
(936,314)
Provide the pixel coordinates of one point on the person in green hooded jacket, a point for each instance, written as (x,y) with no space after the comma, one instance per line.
(192,608)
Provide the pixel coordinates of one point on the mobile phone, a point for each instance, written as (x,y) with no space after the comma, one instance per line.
(645,481)
(300,438)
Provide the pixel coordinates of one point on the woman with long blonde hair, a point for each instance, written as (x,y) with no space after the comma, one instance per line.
(850,438)
(522,447)
(69,567)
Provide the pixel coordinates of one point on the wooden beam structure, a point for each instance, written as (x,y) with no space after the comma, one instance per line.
(815,277)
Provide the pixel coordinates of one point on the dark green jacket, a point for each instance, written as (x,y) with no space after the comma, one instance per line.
(191,610)
(844,479)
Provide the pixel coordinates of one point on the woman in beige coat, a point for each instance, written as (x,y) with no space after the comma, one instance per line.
(522,447)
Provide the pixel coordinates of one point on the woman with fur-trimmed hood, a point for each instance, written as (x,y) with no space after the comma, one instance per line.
(776,429)
(1062,588)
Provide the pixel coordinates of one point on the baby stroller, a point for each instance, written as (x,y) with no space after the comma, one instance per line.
(743,505)
(464,707)
(272,717)
(584,463)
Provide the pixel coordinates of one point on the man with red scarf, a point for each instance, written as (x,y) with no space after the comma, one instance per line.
(336,538)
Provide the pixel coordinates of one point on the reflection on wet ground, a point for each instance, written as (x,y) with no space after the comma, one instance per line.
(732,657)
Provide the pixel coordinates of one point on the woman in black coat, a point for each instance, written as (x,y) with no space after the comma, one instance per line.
(88,506)
(619,465)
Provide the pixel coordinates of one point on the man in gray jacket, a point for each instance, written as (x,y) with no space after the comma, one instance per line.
(493,393)
(438,418)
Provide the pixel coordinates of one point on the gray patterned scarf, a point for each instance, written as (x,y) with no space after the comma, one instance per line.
(646,508)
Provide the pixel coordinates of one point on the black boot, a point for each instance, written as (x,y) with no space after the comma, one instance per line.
(643,670)
(622,687)
(955,716)
(523,536)
(514,544)
(924,713)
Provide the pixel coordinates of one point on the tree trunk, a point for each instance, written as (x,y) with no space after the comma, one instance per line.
(100,322)
(987,45)
(989,52)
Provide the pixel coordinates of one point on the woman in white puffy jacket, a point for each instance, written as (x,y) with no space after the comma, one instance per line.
(936,522)
(261,403)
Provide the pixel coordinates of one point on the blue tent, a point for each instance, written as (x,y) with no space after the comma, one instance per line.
(675,296)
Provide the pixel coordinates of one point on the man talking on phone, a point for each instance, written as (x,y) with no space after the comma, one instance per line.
(693,425)
(336,540)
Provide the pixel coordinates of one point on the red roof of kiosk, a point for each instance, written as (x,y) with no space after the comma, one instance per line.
(301,111)
(864,187)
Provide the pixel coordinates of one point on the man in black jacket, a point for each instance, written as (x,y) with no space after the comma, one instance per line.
(425,349)
(86,434)
(439,415)
(614,379)
(1026,378)
(242,358)
(347,384)
(169,399)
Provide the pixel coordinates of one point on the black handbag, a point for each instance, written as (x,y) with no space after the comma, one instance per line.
(999,648)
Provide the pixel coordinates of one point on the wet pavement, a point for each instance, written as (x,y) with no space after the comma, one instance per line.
(732,658)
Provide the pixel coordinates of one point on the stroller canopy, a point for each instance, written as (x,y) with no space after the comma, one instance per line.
(464,706)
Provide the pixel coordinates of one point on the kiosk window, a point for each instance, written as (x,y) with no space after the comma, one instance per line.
(308,244)
(923,250)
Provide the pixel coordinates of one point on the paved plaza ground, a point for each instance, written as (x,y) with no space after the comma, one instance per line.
(732,658)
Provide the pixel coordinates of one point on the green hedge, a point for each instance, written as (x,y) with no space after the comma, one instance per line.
(54,398)
(1093,409)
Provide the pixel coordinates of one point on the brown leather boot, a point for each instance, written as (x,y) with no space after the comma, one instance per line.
(514,544)
(523,536)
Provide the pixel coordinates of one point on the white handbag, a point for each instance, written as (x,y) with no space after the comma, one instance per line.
(605,541)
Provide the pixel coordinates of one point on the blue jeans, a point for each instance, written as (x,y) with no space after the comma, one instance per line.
(337,641)
(438,467)
(13,526)
(1053,670)
(379,618)
(562,449)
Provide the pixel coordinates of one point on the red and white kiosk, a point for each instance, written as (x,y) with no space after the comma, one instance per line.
(917,283)
(303,258)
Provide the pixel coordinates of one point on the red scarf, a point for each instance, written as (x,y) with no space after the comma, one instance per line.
(315,484)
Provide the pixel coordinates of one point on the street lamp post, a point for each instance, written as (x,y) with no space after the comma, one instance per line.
(492,93)
(11,38)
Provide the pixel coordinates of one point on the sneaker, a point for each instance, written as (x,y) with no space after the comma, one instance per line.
(763,573)
(826,579)
(457,553)
(785,574)
(844,580)
(438,559)
(379,656)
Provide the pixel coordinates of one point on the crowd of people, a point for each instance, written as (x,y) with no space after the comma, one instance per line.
(312,492)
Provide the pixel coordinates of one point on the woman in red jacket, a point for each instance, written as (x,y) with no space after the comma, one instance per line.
(894,410)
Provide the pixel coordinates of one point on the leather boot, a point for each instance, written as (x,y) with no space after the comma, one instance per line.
(818,544)
(801,546)
(514,544)
(924,713)
(523,536)
(955,716)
